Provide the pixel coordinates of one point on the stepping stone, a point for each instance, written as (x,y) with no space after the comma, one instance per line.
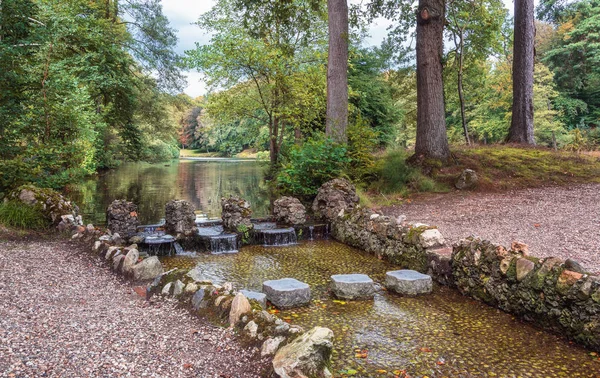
(408,282)
(259,297)
(352,286)
(287,292)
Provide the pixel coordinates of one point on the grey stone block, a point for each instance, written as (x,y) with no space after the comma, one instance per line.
(408,282)
(352,286)
(287,292)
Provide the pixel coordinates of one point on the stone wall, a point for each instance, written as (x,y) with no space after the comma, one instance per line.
(539,290)
(411,246)
(542,291)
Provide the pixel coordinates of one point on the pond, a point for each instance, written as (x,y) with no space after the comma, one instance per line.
(150,186)
(440,335)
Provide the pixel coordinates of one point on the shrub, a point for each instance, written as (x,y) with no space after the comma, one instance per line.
(19,215)
(362,141)
(395,175)
(310,165)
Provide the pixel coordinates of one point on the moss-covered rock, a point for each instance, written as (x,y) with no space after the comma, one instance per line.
(51,204)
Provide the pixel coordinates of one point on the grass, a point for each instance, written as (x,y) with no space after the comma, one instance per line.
(18,215)
(507,167)
(499,168)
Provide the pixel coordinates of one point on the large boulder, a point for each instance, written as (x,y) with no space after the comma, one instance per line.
(289,210)
(122,218)
(147,269)
(334,197)
(180,218)
(307,356)
(236,214)
(51,204)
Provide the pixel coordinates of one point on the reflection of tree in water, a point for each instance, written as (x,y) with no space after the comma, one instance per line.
(152,186)
(205,187)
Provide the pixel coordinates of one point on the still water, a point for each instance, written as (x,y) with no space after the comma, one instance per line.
(151,186)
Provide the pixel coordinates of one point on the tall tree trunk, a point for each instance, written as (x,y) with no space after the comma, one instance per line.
(273,142)
(337,71)
(432,141)
(521,127)
(461,96)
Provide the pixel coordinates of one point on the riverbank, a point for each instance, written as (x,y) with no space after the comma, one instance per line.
(62,313)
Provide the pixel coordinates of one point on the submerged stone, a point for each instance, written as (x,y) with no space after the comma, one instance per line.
(408,282)
(287,292)
(352,286)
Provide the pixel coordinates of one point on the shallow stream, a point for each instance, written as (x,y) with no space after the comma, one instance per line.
(440,335)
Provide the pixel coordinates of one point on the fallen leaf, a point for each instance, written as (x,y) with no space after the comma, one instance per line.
(187,366)
(425,350)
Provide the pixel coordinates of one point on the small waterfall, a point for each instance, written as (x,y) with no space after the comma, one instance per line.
(224,243)
(310,230)
(160,245)
(178,248)
(279,237)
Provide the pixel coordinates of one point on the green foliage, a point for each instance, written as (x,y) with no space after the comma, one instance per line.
(371,95)
(573,56)
(72,93)
(19,215)
(268,73)
(310,165)
(362,141)
(395,175)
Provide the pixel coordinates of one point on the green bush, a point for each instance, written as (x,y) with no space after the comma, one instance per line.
(395,175)
(310,165)
(362,141)
(15,214)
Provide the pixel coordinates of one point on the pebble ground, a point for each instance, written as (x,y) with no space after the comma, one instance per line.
(553,221)
(64,314)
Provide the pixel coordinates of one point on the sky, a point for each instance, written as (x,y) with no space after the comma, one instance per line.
(183,13)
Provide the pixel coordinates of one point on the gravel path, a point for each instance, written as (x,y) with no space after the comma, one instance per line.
(62,314)
(554,221)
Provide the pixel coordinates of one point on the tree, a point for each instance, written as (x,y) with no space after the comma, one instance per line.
(432,142)
(475,28)
(521,127)
(573,55)
(337,71)
(258,61)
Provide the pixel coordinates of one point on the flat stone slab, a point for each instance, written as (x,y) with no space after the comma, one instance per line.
(287,292)
(259,297)
(352,286)
(408,282)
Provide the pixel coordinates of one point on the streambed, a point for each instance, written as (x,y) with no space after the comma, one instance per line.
(440,335)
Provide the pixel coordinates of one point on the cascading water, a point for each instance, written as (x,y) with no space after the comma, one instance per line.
(160,245)
(178,248)
(311,229)
(224,243)
(279,237)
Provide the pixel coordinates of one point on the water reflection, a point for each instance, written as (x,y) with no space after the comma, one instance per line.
(151,186)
